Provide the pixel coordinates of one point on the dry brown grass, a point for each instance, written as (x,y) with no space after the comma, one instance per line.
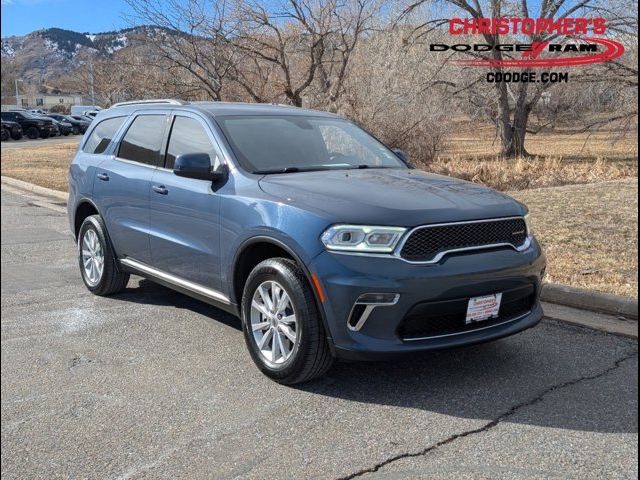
(557,158)
(474,140)
(589,233)
(521,174)
(46,166)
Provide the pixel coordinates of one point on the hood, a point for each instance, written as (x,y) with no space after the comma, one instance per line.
(396,197)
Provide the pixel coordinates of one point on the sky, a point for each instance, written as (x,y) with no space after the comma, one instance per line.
(20,17)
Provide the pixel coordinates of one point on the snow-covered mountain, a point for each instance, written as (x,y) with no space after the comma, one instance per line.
(49,53)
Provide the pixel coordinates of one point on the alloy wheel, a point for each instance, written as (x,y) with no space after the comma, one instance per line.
(92,257)
(273,323)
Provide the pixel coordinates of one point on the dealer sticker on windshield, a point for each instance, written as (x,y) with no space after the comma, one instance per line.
(483,308)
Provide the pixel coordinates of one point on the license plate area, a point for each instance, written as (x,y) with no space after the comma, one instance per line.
(483,308)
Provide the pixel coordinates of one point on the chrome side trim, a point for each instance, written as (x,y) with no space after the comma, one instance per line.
(468,331)
(173,279)
(367,311)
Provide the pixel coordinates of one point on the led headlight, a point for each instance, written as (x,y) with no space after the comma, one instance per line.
(362,238)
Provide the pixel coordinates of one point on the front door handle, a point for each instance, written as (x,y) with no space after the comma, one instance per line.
(161,189)
(103,176)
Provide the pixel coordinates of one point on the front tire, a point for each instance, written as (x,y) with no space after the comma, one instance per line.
(281,323)
(5,135)
(32,133)
(97,261)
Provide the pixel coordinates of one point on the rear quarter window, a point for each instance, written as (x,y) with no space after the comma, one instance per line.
(102,135)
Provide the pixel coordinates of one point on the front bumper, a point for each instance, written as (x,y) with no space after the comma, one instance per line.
(346,277)
(48,130)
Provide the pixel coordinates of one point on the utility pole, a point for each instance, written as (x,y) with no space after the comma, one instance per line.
(93,99)
(17,95)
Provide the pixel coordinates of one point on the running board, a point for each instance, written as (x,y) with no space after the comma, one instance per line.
(178,283)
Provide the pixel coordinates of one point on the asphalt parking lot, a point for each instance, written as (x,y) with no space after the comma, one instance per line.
(152,384)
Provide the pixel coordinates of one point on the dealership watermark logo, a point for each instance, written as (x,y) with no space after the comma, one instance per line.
(584,47)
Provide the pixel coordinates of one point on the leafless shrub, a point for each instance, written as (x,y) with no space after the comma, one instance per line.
(391,93)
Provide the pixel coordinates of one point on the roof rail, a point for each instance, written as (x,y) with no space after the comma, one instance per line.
(171,101)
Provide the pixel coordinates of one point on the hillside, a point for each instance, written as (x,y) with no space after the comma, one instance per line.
(50,53)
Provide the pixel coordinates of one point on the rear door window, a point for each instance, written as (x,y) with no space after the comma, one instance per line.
(143,140)
(189,136)
(102,135)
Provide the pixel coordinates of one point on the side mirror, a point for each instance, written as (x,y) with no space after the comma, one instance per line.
(196,165)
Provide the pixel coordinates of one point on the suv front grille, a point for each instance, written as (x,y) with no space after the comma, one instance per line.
(433,319)
(429,242)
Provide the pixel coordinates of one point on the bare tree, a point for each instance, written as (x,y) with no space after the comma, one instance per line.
(309,43)
(510,106)
(10,69)
(394,91)
(191,36)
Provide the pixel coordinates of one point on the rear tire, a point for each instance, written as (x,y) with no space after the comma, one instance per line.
(75,130)
(98,264)
(5,135)
(293,316)
(16,136)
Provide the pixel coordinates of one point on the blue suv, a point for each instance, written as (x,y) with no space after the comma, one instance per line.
(325,242)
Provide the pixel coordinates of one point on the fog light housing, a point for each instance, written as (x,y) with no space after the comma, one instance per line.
(365,304)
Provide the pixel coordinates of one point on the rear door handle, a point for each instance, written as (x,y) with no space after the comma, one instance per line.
(161,189)
(103,176)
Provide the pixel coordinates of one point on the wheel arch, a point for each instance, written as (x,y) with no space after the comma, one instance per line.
(83,209)
(242,268)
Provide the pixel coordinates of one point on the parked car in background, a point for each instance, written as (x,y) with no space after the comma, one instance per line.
(63,127)
(11,130)
(32,126)
(84,109)
(324,241)
(77,125)
(83,118)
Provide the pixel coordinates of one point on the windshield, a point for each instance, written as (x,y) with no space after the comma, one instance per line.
(281,143)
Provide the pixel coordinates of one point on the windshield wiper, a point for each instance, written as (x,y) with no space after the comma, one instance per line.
(278,170)
(291,170)
(317,168)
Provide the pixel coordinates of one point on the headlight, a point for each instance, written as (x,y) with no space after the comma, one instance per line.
(361,238)
(527,222)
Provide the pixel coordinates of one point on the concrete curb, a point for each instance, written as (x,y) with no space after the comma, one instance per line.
(593,320)
(30,187)
(590,300)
